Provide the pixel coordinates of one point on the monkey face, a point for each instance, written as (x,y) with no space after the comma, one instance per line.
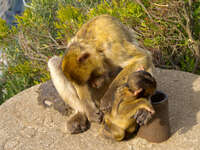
(142,83)
(79,64)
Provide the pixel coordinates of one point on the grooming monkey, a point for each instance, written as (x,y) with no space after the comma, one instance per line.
(131,106)
(92,61)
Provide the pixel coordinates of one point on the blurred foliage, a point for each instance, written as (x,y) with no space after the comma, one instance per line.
(173,33)
(45,28)
(196,20)
(4,29)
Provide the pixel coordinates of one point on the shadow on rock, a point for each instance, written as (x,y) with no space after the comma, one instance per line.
(49,97)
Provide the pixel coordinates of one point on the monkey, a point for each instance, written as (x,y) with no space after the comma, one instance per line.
(102,53)
(131,106)
(78,122)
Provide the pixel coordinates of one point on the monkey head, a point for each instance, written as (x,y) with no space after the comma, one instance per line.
(80,62)
(142,84)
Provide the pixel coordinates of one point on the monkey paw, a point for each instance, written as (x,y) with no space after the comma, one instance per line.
(78,123)
(98,82)
(142,116)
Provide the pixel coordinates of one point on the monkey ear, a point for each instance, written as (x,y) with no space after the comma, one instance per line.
(84,56)
(137,92)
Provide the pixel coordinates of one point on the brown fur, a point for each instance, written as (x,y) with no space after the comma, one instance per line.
(129,104)
(99,48)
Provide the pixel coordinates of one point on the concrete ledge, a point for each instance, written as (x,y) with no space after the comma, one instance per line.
(25,125)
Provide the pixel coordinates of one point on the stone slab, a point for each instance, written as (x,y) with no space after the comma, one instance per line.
(25,125)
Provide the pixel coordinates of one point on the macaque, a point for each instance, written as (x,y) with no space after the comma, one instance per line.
(103,53)
(131,106)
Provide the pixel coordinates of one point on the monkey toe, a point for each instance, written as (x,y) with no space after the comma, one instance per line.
(137,114)
(78,123)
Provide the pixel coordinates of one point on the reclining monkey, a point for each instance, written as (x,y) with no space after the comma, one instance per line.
(131,106)
(98,50)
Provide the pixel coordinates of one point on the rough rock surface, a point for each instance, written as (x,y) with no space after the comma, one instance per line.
(25,125)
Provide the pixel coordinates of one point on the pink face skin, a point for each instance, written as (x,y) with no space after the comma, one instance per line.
(140,68)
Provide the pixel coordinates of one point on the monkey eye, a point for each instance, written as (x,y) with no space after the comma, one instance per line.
(83,57)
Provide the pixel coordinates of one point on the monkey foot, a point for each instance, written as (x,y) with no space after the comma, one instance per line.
(78,123)
(142,116)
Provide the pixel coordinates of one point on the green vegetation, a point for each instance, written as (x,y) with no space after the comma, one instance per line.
(170,29)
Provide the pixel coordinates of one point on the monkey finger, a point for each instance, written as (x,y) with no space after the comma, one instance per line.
(138,113)
(148,117)
(140,119)
(144,117)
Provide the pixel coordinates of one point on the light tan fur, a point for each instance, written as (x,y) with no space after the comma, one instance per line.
(64,87)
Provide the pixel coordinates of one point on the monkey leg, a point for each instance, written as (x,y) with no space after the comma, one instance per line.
(132,128)
(90,109)
(111,130)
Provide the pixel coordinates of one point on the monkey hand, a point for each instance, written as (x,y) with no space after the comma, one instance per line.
(142,116)
(98,82)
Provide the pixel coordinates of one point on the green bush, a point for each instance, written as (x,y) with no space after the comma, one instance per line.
(29,45)
(4,29)
(45,28)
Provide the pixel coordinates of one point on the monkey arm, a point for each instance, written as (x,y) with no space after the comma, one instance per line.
(77,96)
(131,111)
(131,107)
(140,111)
(92,112)
(63,86)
